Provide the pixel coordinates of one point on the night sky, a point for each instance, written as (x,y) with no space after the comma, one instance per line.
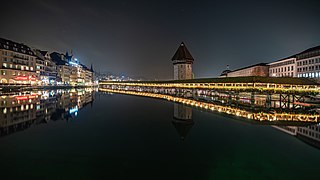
(139,38)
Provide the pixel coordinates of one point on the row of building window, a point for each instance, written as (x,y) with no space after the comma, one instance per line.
(26,57)
(282,69)
(310,75)
(310,61)
(5,65)
(310,133)
(310,68)
(17,61)
(16,109)
(14,73)
(308,54)
(16,49)
(289,74)
(282,63)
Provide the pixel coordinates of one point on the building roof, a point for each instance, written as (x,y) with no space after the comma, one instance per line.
(183,127)
(57,58)
(314,51)
(225,72)
(259,64)
(316,48)
(293,56)
(91,68)
(17,47)
(250,79)
(182,53)
(311,52)
(43,52)
(68,57)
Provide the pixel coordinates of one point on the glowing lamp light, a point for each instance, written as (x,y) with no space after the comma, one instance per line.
(32,97)
(73,110)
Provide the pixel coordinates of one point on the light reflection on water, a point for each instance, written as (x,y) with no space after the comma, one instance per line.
(124,136)
(20,110)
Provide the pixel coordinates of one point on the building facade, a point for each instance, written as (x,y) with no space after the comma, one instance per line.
(18,63)
(70,71)
(182,63)
(261,69)
(21,65)
(308,63)
(45,68)
(286,67)
(63,68)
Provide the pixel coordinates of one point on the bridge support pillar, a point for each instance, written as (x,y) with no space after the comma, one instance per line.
(268,101)
(252,99)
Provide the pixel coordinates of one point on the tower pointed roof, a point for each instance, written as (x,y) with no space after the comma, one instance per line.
(182,53)
(183,127)
(91,68)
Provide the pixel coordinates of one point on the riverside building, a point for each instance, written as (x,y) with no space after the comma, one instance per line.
(261,69)
(21,65)
(70,71)
(286,67)
(308,63)
(63,69)
(45,68)
(17,64)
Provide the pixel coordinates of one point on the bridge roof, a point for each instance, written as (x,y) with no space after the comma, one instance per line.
(250,79)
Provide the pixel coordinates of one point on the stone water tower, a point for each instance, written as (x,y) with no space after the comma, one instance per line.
(182,63)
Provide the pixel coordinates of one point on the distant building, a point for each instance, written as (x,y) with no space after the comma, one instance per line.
(182,63)
(17,63)
(225,72)
(286,67)
(70,71)
(308,63)
(45,68)
(63,68)
(261,69)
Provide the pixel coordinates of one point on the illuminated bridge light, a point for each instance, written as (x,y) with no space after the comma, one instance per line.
(227,110)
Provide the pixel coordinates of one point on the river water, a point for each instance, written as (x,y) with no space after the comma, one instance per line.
(80,134)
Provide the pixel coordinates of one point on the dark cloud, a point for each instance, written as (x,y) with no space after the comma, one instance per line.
(138,38)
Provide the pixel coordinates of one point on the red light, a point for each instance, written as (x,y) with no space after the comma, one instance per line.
(21,97)
(21,78)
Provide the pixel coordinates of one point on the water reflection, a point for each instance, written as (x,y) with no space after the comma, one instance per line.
(19,111)
(182,119)
(308,134)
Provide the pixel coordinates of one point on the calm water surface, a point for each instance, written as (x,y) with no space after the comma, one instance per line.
(125,137)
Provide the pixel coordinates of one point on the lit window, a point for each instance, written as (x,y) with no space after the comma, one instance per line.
(4,65)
